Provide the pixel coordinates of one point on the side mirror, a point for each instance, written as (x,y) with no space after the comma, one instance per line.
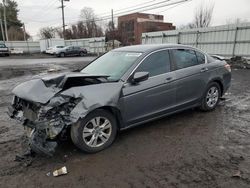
(139,77)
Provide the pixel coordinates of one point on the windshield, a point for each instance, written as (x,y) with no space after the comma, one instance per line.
(113,64)
(2,46)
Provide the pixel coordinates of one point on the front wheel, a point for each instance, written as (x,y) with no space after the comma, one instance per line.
(95,132)
(62,54)
(211,97)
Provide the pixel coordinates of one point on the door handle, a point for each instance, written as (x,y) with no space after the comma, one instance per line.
(169,78)
(204,69)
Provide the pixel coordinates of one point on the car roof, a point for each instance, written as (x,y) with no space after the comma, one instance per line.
(150,47)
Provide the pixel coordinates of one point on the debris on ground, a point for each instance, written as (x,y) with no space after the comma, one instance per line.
(239,62)
(60,171)
(25,158)
(237,174)
(235,159)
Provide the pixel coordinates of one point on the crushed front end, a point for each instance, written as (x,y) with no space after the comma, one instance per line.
(44,123)
(48,106)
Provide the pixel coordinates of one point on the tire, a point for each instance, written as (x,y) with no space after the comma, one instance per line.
(85,127)
(211,97)
(62,54)
(81,54)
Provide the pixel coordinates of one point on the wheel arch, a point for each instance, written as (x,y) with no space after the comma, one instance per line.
(114,111)
(220,83)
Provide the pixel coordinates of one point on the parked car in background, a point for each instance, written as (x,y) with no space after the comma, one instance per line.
(16,51)
(54,49)
(71,51)
(4,50)
(48,50)
(123,88)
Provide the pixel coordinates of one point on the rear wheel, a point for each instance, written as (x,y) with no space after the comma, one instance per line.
(81,54)
(95,132)
(211,97)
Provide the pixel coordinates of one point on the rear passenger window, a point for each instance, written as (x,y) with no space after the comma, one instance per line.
(200,57)
(184,58)
(156,63)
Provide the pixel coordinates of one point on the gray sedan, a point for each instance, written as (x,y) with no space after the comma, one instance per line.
(70,51)
(121,89)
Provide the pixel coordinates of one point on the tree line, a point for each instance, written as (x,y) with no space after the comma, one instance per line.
(86,27)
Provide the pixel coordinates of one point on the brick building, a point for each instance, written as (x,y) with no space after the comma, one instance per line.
(131,26)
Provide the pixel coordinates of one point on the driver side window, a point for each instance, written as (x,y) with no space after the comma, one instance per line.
(156,63)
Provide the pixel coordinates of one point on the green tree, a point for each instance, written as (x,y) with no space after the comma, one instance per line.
(14,25)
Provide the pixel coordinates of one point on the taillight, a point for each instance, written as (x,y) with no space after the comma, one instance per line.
(228,67)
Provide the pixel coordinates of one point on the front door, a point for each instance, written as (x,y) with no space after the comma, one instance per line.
(153,97)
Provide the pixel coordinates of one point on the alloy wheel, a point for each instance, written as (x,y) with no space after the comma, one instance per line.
(97,131)
(212,97)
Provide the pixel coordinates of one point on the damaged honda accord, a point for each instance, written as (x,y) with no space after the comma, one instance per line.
(123,88)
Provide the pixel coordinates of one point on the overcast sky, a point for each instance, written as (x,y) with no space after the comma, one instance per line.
(36,13)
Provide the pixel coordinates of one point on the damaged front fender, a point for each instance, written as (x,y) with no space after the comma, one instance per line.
(93,97)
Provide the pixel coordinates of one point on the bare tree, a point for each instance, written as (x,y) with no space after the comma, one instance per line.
(203,16)
(47,32)
(89,18)
(86,27)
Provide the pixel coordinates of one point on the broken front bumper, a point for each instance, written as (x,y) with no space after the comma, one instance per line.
(39,137)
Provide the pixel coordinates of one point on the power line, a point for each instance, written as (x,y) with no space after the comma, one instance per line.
(146,6)
(130,7)
(174,6)
(120,11)
(150,7)
(143,8)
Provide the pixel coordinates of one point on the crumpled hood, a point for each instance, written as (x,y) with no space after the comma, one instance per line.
(35,91)
(42,89)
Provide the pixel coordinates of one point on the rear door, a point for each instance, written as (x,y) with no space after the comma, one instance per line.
(76,50)
(153,97)
(70,50)
(190,70)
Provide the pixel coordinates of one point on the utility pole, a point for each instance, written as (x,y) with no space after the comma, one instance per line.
(25,39)
(1,26)
(63,19)
(113,29)
(5,21)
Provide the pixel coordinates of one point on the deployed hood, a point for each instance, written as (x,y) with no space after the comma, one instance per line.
(42,89)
